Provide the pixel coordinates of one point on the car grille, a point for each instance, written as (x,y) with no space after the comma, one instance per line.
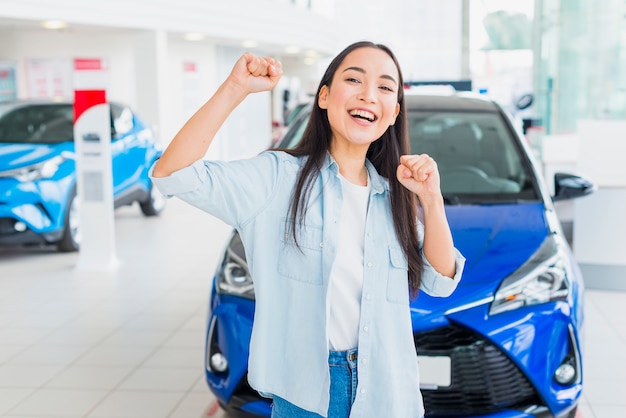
(483,380)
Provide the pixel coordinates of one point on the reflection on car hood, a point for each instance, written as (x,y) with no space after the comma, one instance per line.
(14,156)
(495,240)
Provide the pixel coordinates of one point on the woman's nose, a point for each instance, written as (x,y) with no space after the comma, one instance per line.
(368,93)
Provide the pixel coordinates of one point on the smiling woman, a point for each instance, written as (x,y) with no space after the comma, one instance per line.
(327,330)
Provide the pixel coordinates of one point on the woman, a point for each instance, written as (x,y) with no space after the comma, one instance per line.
(331,234)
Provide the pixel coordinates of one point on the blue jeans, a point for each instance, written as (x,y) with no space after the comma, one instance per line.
(343,382)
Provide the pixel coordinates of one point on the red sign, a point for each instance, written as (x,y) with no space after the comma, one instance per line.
(85,64)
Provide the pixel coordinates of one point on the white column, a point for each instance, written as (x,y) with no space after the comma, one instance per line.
(151,75)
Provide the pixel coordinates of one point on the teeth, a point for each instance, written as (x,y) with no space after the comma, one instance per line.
(363,114)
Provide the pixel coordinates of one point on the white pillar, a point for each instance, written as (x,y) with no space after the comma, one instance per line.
(151,75)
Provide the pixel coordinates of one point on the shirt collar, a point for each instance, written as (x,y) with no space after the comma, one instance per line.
(378,183)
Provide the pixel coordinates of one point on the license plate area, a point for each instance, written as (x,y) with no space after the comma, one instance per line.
(435,371)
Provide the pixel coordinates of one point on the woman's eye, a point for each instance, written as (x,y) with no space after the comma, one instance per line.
(386,88)
(352,80)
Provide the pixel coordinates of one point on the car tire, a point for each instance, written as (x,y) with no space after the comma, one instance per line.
(155,203)
(70,240)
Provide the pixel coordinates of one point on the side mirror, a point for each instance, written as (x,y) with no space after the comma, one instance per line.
(570,186)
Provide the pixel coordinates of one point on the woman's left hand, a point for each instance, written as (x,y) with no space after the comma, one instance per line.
(419,174)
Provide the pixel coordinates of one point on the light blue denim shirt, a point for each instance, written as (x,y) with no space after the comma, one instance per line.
(289,345)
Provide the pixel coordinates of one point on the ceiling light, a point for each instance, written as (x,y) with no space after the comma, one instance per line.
(250,44)
(194,36)
(292,50)
(54,24)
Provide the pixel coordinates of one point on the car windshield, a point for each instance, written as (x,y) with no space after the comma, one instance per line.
(478,157)
(36,123)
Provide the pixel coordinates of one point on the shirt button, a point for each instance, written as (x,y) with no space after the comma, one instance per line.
(364,361)
(363,391)
(321,244)
(366,328)
(369,264)
(368,296)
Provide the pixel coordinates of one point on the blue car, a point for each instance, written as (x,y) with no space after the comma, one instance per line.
(38,204)
(507,342)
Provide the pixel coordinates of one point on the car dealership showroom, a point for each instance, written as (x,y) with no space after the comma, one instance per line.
(120,300)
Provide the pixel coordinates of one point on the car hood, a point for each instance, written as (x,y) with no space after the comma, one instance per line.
(13,156)
(495,240)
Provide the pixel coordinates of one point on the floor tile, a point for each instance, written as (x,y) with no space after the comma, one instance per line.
(136,337)
(161,379)
(49,354)
(177,357)
(136,404)
(8,351)
(156,321)
(115,356)
(9,398)
(70,335)
(186,339)
(89,377)
(26,375)
(198,406)
(605,392)
(59,403)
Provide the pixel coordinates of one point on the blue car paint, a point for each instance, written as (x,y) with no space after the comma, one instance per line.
(42,204)
(496,240)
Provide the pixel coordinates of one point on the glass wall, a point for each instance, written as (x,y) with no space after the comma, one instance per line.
(580,62)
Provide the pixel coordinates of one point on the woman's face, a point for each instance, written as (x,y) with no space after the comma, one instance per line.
(362,101)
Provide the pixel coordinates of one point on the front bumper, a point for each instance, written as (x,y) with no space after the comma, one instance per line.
(505,371)
(32,213)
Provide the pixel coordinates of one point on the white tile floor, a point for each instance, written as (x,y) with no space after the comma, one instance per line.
(129,342)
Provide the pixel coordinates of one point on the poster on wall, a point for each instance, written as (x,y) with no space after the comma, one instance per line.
(49,77)
(8,85)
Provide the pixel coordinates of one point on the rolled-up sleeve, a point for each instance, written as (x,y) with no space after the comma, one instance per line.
(433,282)
(232,191)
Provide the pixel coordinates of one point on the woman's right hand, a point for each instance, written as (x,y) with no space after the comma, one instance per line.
(253,74)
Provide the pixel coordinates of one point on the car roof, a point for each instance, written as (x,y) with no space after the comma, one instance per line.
(450,102)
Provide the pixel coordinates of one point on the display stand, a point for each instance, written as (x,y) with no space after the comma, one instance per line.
(92,137)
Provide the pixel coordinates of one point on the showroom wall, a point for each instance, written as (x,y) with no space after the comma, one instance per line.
(165,77)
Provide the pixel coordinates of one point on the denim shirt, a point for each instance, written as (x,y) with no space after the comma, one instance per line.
(289,344)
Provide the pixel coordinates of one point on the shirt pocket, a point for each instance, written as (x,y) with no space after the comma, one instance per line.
(302,262)
(398,282)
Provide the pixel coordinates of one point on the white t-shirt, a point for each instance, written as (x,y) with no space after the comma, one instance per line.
(346,275)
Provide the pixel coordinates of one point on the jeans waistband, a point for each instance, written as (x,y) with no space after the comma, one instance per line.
(343,357)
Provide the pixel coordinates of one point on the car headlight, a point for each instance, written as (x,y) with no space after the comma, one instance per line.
(543,278)
(233,277)
(42,170)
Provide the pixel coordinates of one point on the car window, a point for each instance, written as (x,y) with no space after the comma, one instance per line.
(122,119)
(477,155)
(38,123)
(296,130)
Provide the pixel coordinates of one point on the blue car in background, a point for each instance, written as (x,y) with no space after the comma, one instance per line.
(38,203)
(508,341)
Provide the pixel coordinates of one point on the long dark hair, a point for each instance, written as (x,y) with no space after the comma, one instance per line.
(384,154)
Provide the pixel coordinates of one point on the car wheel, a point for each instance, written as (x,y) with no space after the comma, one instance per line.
(71,231)
(155,203)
